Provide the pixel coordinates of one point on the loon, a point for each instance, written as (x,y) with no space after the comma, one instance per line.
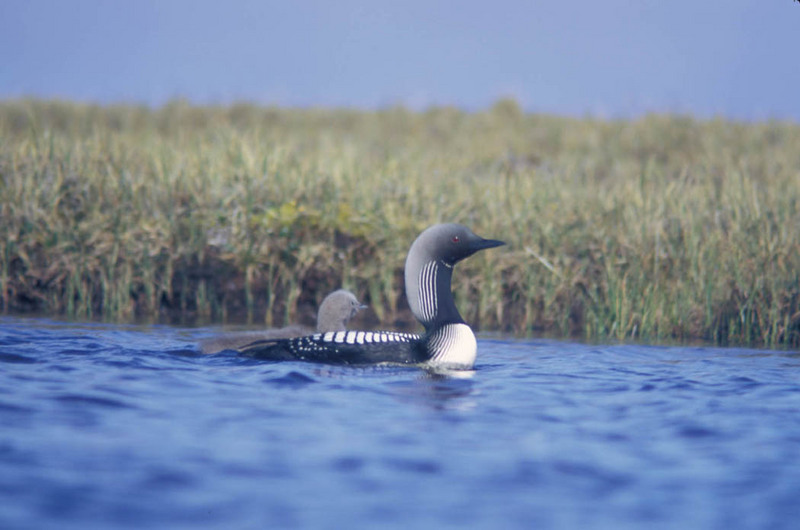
(448,341)
(334,313)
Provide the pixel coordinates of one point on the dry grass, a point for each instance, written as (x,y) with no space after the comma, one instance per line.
(661,227)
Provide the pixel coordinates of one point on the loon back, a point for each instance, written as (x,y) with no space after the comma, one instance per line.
(342,347)
(453,346)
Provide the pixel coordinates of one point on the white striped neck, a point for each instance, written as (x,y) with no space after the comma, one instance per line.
(430,297)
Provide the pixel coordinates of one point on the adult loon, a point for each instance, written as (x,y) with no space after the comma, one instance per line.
(447,342)
(334,313)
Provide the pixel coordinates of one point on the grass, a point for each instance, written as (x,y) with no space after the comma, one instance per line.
(663,227)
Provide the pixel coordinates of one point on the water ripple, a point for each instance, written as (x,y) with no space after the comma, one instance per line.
(15,358)
(83,399)
(125,427)
(291,380)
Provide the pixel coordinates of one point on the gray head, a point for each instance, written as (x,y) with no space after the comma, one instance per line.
(336,311)
(429,267)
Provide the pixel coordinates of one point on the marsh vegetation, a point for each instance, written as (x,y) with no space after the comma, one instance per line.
(663,227)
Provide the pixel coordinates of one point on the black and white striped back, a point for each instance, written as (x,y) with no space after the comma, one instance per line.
(343,347)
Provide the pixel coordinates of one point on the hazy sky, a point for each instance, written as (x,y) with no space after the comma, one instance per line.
(738,58)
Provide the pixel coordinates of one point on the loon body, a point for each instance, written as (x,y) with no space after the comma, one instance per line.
(448,341)
(334,313)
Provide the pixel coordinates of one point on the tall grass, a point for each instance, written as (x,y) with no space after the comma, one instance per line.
(655,228)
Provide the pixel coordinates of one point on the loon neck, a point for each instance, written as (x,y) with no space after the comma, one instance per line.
(430,297)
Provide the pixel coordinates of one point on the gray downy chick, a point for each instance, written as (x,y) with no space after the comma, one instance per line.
(334,313)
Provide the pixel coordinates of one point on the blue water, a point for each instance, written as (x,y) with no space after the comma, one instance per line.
(125,427)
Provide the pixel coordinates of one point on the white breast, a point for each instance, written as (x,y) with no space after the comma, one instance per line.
(454,346)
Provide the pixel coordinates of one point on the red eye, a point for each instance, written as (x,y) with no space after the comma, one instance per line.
(456,239)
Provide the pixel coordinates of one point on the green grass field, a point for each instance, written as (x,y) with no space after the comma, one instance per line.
(659,228)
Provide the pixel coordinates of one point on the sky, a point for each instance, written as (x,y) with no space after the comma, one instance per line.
(738,59)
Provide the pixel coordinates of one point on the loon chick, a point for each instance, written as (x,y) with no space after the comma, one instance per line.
(334,313)
(448,341)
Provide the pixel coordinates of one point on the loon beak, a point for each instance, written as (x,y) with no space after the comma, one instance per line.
(478,243)
(482,244)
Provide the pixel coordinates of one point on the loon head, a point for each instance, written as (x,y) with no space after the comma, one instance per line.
(429,267)
(336,311)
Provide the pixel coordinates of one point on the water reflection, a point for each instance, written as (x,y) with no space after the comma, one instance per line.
(438,389)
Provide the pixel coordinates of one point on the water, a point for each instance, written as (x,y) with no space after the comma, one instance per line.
(125,427)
